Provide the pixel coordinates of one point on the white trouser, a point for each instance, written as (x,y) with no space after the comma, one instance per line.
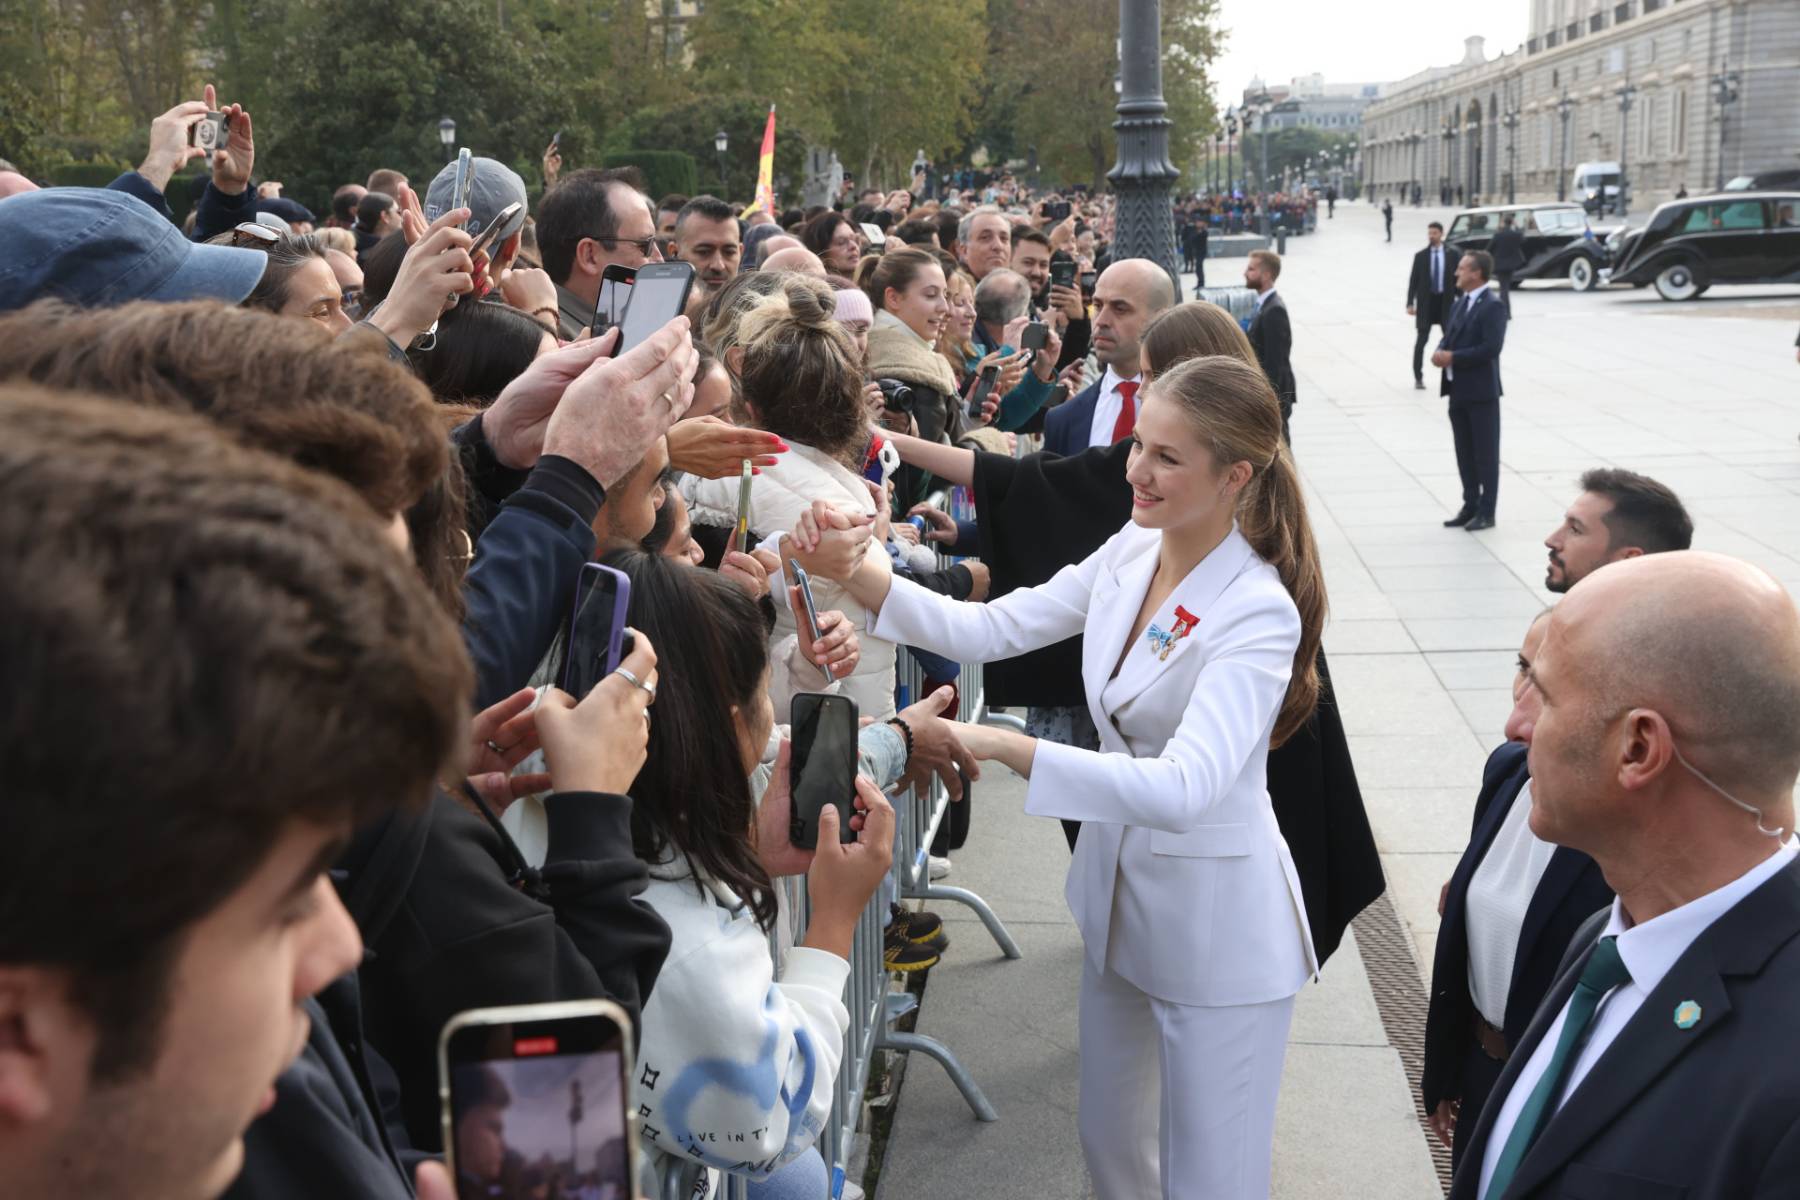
(1177,1100)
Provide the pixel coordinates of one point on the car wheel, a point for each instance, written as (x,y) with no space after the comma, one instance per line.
(1677,282)
(1581,274)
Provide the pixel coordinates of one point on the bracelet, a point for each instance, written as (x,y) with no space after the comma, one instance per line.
(905,732)
(555,313)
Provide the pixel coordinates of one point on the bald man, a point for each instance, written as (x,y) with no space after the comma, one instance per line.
(12,183)
(795,258)
(1666,745)
(1128,296)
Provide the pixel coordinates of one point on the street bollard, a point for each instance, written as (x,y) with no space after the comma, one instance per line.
(1281,239)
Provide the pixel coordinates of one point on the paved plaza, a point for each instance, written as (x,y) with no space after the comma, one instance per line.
(1704,396)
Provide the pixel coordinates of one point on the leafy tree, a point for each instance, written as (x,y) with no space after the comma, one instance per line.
(690,126)
(913,85)
(790,53)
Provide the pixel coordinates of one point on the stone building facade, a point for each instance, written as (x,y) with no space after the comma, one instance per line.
(1638,82)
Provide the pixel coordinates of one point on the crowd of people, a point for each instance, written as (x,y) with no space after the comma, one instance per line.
(296,515)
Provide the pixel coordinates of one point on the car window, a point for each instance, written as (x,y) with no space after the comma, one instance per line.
(1524,223)
(1739,214)
(1459,226)
(1560,221)
(1784,216)
(1478,223)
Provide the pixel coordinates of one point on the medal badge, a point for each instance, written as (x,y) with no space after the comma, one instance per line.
(1164,640)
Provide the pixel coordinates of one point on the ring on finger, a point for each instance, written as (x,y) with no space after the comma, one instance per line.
(496,747)
(647,688)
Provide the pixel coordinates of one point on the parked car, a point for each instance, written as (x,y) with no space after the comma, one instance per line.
(1689,245)
(1597,185)
(1558,242)
(1783,180)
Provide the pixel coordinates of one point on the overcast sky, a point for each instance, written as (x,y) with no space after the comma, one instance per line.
(1367,41)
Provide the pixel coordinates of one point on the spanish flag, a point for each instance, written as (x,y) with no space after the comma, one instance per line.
(765,172)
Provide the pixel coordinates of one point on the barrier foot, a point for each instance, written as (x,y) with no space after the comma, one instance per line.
(890,1039)
(997,930)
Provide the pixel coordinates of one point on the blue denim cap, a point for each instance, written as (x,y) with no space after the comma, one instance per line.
(96,248)
(492,186)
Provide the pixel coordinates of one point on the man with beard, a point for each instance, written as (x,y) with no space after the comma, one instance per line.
(1619,514)
(706,235)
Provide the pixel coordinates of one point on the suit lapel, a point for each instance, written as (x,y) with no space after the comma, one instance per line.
(1564,868)
(1196,593)
(1115,602)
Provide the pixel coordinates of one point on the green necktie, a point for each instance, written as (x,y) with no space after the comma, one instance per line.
(1605,971)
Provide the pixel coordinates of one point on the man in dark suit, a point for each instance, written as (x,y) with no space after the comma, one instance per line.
(1428,294)
(1271,333)
(1387,218)
(1470,357)
(1127,297)
(1500,938)
(1657,1066)
(1508,249)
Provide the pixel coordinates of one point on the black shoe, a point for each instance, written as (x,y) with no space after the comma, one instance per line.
(920,926)
(1460,519)
(1479,523)
(1418,385)
(899,954)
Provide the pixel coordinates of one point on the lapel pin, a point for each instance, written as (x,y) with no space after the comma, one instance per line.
(1687,1014)
(1165,642)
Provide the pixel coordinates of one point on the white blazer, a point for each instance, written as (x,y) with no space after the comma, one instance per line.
(1181,881)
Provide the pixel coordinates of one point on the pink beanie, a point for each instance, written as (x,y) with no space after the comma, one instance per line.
(853,305)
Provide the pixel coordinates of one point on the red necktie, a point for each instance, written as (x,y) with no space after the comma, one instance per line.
(1127,412)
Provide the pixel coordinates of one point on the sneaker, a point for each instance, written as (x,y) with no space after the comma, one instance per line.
(940,866)
(920,927)
(900,954)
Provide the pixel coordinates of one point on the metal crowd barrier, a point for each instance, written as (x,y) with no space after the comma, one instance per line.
(873,1006)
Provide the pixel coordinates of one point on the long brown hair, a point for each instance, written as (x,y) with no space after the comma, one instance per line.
(1235,411)
(800,377)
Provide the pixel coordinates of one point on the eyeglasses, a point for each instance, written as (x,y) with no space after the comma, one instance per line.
(643,245)
(254,236)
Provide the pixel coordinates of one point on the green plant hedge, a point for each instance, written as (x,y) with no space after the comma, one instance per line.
(86,174)
(664,171)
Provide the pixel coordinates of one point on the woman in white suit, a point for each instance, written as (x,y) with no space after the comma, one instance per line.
(1201,620)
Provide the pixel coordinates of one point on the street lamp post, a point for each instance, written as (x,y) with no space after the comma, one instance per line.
(1413,139)
(1725,94)
(721,143)
(1143,176)
(1264,108)
(1231,128)
(447,138)
(1445,175)
(1564,107)
(1218,145)
(1511,121)
(1626,95)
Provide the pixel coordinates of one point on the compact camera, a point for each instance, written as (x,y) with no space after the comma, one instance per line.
(895,396)
(209,132)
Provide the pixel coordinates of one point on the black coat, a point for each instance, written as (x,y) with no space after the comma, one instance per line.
(1081,501)
(1711,1112)
(1272,337)
(1430,306)
(1508,249)
(1571,889)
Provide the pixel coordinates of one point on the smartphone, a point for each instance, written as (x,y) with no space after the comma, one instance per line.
(984,384)
(822,767)
(741,531)
(810,616)
(209,132)
(501,220)
(465,178)
(1062,272)
(659,294)
(544,1086)
(615,290)
(1088,280)
(597,639)
(1035,337)
(556,140)
(877,239)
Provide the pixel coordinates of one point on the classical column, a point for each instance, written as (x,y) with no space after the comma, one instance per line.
(1143,177)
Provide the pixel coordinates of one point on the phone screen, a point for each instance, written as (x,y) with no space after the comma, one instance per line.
(658,296)
(822,769)
(614,292)
(1062,273)
(597,638)
(533,1099)
(877,239)
(984,383)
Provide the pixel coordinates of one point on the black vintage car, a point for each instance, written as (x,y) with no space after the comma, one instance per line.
(1689,245)
(1558,242)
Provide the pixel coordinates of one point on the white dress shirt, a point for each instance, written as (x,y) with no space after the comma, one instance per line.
(1648,951)
(1499,894)
(1262,296)
(1107,405)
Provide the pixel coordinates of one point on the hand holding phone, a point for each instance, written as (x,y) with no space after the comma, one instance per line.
(659,294)
(1035,336)
(822,772)
(615,291)
(740,534)
(808,616)
(1062,272)
(978,395)
(845,873)
(599,743)
(535,1082)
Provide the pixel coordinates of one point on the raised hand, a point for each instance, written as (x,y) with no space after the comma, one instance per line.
(611,413)
(232,162)
(599,744)
(716,449)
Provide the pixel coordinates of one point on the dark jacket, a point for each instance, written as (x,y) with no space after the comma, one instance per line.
(1272,337)
(1066,427)
(1430,306)
(1569,892)
(1041,513)
(214,211)
(1508,249)
(1711,1112)
(1475,335)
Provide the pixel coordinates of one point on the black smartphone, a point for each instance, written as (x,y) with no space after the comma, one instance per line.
(809,614)
(1088,280)
(538,1086)
(659,294)
(615,290)
(597,640)
(1035,337)
(984,384)
(822,768)
(1062,272)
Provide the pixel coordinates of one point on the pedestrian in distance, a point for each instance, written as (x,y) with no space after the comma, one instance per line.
(1387,218)
(1508,249)
(1469,355)
(1271,333)
(1428,294)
